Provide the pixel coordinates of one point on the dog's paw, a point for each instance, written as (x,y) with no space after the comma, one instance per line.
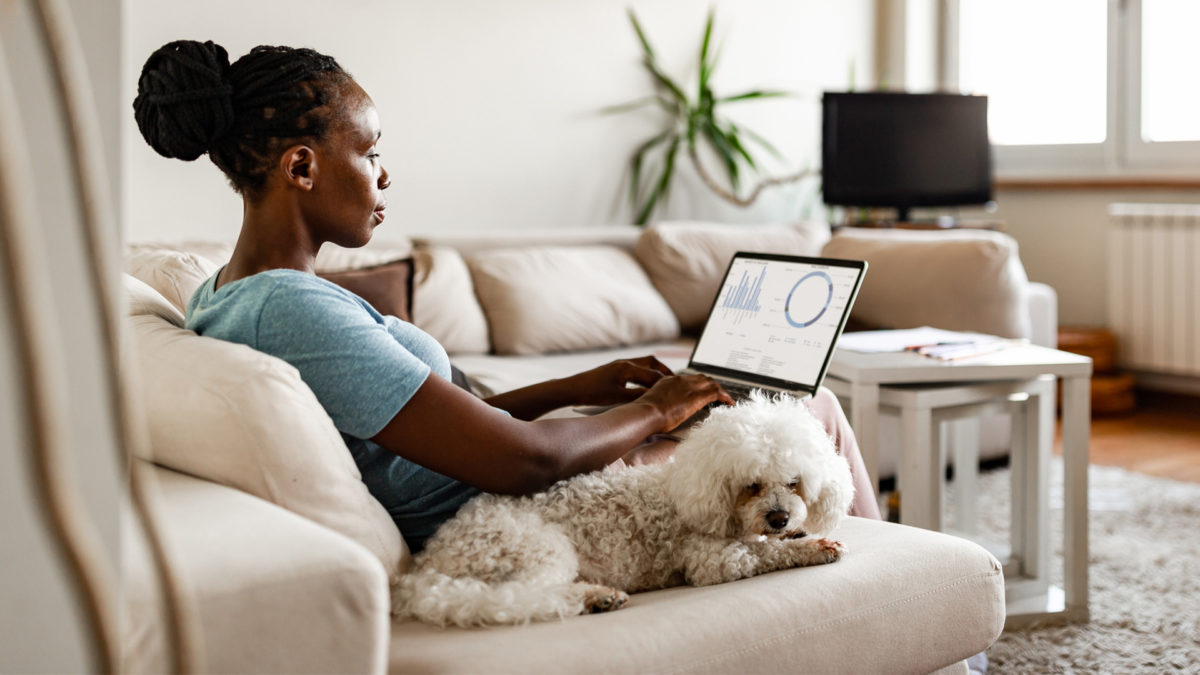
(603,599)
(829,550)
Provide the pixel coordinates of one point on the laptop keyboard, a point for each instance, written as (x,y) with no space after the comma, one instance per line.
(736,390)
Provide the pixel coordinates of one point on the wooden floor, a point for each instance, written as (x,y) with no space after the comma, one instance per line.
(1161,438)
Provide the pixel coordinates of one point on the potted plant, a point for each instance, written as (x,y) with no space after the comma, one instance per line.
(691,122)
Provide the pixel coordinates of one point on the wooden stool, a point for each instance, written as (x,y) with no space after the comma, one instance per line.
(1112,390)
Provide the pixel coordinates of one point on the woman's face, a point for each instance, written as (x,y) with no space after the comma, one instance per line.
(346,203)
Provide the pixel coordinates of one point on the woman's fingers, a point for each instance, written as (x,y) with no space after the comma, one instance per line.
(642,375)
(653,363)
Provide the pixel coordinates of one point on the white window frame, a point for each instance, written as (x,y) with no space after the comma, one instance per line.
(1123,152)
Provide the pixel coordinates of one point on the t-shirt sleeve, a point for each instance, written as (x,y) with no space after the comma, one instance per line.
(360,374)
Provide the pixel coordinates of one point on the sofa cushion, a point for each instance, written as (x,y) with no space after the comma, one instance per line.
(270,592)
(958,280)
(141,299)
(564,298)
(387,286)
(444,302)
(901,600)
(173,273)
(686,261)
(235,416)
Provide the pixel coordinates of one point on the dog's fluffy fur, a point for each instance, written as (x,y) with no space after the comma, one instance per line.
(748,492)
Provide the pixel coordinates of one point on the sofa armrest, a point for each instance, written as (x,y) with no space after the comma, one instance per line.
(1043,314)
(970,280)
(272,591)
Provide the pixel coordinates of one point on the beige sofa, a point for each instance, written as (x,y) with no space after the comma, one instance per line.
(287,559)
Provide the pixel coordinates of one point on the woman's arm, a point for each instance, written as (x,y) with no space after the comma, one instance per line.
(605,385)
(449,431)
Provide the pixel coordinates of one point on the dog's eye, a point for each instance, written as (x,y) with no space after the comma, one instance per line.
(793,484)
(754,488)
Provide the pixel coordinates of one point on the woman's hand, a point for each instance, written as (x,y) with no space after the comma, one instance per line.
(609,384)
(680,396)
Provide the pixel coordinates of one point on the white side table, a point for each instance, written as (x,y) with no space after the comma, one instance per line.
(1019,379)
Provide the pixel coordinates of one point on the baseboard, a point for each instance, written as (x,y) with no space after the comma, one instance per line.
(1179,384)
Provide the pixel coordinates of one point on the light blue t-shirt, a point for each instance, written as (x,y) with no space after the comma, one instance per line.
(362,366)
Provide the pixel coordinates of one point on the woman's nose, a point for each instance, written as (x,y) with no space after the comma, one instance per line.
(385,181)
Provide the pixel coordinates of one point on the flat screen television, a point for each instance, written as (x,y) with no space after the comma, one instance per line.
(905,150)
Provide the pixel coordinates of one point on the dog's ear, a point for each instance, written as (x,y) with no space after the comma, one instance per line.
(699,492)
(832,502)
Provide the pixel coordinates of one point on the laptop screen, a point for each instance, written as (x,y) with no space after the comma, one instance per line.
(776,319)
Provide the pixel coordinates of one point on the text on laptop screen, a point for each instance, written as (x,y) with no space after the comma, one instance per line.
(776,318)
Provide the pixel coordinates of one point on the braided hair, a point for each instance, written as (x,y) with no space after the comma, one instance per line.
(191,101)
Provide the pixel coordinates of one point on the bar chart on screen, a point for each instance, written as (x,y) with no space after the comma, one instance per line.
(740,300)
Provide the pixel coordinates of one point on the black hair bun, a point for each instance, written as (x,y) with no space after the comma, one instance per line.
(184,100)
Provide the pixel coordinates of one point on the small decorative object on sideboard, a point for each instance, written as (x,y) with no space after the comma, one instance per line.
(1112,390)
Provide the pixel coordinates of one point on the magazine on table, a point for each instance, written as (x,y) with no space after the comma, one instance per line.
(935,343)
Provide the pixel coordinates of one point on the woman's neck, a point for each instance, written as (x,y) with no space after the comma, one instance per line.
(273,236)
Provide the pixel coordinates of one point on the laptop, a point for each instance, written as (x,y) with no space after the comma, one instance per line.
(775,322)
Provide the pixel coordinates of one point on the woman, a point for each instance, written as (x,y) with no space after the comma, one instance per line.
(297,138)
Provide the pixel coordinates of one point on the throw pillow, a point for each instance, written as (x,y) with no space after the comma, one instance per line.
(235,416)
(174,274)
(966,280)
(444,301)
(378,251)
(388,287)
(568,298)
(686,261)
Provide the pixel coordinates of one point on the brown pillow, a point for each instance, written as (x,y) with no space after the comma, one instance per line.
(388,287)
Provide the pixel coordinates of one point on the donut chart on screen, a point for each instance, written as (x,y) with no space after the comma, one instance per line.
(807,316)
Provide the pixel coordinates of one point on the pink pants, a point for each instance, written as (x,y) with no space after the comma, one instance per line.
(825,406)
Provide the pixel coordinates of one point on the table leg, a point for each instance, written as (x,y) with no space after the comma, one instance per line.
(920,471)
(965,441)
(1076,439)
(1038,440)
(1018,462)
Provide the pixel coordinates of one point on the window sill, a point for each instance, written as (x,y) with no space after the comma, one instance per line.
(1099,183)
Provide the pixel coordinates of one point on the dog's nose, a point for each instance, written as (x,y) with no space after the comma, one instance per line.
(777,519)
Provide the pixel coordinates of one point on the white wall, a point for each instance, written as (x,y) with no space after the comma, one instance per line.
(41,625)
(489,108)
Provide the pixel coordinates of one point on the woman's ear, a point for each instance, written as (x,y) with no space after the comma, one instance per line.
(298,167)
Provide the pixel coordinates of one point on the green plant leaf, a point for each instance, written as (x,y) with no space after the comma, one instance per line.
(719,143)
(637,27)
(666,82)
(662,186)
(630,106)
(732,135)
(706,67)
(635,183)
(755,94)
(651,62)
(758,138)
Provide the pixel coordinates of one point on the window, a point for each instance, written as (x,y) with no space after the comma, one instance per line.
(1082,87)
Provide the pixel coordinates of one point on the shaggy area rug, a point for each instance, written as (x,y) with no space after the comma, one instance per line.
(1144,585)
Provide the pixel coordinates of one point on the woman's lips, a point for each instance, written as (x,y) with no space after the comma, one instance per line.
(380,213)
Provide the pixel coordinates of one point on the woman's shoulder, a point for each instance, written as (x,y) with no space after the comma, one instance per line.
(290,294)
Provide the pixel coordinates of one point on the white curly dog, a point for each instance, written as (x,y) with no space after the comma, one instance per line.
(749,491)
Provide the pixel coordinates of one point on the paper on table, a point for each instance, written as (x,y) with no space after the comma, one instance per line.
(880,341)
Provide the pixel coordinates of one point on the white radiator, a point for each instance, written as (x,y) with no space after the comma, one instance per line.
(1154,286)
